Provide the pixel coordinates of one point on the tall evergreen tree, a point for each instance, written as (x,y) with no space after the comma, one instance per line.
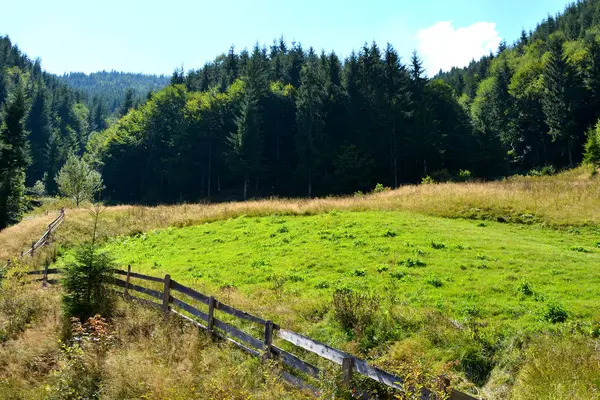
(559,102)
(14,153)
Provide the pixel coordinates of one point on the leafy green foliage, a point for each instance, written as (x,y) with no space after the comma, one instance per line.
(77,180)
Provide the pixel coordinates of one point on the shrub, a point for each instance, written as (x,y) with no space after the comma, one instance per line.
(579,249)
(434,281)
(359,272)
(398,275)
(464,175)
(591,153)
(390,234)
(525,288)
(437,246)
(555,313)
(380,188)
(354,311)
(412,263)
(86,278)
(428,180)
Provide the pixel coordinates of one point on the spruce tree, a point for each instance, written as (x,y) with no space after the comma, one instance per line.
(14,154)
(559,103)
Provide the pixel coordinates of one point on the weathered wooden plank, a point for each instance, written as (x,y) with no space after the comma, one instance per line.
(300,384)
(139,276)
(188,319)
(456,395)
(238,313)
(189,291)
(192,310)
(295,362)
(238,344)
(337,356)
(243,336)
(50,271)
(38,272)
(150,292)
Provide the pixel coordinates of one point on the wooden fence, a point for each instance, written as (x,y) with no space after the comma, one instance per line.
(45,237)
(169,299)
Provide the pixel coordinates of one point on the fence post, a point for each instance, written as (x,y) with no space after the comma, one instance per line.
(22,253)
(32,248)
(268,339)
(347,365)
(443,384)
(167,293)
(127,280)
(211,314)
(8,263)
(45,276)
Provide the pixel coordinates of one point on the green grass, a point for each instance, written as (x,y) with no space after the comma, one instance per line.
(452,265)
(450,296)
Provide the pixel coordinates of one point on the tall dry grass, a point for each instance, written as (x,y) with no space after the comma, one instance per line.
(568,199)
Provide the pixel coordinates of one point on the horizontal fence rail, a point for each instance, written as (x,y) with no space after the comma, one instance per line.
(45,238)
(259,347)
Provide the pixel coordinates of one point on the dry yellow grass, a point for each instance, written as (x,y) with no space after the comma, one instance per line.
(568,199)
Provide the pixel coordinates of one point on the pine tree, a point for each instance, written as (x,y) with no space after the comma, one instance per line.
(309,104)
(127,103)
(14,154)
(398,101)
(558,101)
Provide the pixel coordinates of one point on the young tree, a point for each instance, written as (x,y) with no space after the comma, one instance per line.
(86,278)
(78,180)
(14,154)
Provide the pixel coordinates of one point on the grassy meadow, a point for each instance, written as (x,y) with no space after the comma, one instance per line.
(494,284)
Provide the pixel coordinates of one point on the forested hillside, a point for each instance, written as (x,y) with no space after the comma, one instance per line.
(540,96)
(114,88)
(288,121)
(42,121)
(285,120)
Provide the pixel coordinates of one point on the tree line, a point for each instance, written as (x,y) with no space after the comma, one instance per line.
(288,121)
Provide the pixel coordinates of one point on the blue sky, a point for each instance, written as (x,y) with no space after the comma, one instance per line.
(156,36)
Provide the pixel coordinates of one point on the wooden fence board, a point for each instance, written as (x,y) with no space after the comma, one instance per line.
(139,276)
(337,356)
(188,291)
(243,336)
(299,383)
(295,362)
(242,314)
(192,310)
(150,292)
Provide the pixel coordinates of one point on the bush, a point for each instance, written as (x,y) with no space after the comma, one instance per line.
(555,313)
(428,180)
(464,175)
(434,281)
(525,288)
(380,188)
(591,153)
(354,311)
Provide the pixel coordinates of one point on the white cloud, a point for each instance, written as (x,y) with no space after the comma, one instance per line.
(444,46)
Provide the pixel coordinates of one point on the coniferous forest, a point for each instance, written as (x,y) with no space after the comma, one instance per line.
(286,120)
